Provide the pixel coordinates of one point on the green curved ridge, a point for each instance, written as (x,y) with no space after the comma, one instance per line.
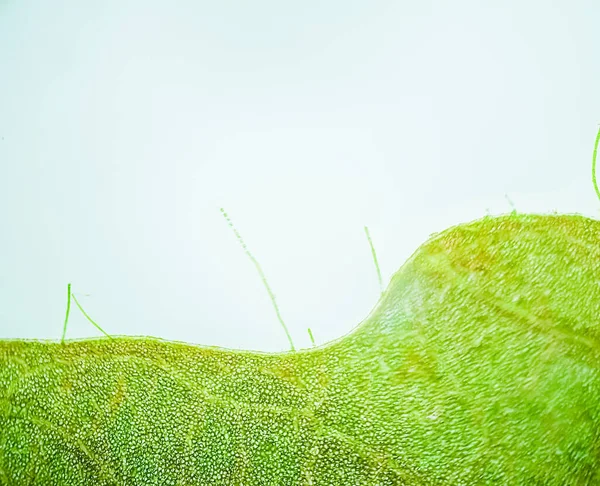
(479,365)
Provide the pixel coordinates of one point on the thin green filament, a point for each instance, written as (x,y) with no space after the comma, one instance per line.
(312,338)
(375,260)
(512,204)
(594,157)
(94,323)
(64,333)
(262,277)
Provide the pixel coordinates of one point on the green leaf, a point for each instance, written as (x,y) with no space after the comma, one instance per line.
(479,365)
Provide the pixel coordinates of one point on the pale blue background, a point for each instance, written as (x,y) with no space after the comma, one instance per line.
(125,125)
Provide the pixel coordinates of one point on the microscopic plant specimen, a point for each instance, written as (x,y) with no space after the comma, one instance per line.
(480,364)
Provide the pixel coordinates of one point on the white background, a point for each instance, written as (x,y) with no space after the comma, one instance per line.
(125,125)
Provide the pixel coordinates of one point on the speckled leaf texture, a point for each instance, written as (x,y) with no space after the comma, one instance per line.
(479,365)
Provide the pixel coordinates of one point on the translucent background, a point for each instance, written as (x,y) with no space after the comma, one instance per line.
(125,125)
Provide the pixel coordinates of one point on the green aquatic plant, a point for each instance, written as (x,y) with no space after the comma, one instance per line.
(480,364)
